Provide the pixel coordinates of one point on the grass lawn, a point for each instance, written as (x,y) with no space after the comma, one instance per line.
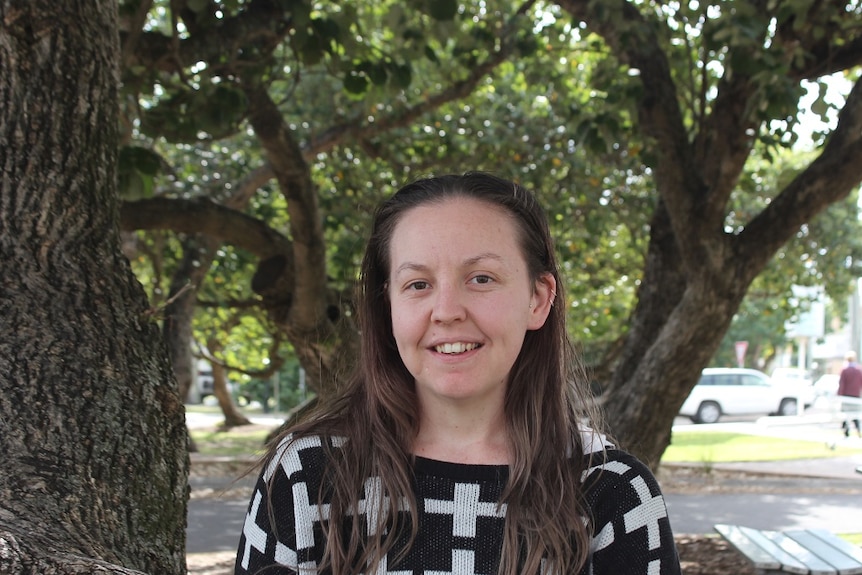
(854,538)
(237,442)
(717,447)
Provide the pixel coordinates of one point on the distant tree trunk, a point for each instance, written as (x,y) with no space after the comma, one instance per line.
(198,253)
(94,473)
(179,312)
(233,417)
(178,316)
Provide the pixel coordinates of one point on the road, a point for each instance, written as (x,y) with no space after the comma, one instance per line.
(214,523)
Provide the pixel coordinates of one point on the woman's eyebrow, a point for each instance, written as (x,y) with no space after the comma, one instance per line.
(471,261)
(481,257)
(409,266)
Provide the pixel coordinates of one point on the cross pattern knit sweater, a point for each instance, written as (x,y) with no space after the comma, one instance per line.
(460,521)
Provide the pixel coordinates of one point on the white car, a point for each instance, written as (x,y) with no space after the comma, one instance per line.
(826,385)
(739,391)
(798,378)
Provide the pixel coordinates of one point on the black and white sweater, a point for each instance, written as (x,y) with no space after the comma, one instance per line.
(461,525)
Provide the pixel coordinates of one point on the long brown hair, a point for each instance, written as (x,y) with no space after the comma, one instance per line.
(376,411)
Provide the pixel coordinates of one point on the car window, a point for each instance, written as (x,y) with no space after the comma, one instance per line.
(748,379)
(724,379)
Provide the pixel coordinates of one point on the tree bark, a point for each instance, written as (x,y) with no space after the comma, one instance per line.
(94,474)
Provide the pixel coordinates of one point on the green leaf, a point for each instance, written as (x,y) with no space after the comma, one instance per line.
(133,186)
(355,83)
(136,158)
(197,6)
(431,54)
(526,44)
(327,29)
(378,74)
(402,75)
(231,100)
(443,9)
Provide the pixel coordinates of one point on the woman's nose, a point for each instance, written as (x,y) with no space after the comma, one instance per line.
(448,305)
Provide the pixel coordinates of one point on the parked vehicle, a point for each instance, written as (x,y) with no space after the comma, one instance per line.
(800,379)
(206,384)
(739,391)
(826,385)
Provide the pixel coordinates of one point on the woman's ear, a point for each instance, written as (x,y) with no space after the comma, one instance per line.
(542,301)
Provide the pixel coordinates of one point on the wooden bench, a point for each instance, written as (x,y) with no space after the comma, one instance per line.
(803,551)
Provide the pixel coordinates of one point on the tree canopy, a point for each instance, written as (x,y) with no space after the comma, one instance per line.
(652,131)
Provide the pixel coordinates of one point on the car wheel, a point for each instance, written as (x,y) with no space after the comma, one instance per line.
(707,412)
(788,406)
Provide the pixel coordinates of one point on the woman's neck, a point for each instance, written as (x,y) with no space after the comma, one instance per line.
(463,436)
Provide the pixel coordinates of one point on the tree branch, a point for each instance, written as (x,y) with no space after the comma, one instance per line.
(361,130)
(677,174)
(207,217)
(828,179)
(294,178)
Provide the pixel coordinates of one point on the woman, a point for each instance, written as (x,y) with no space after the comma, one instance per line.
(459,444)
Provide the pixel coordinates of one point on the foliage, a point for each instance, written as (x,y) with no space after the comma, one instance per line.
(290,393)
(617,114)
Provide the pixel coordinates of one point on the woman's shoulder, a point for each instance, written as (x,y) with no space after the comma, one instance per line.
(300,454)
(613,468)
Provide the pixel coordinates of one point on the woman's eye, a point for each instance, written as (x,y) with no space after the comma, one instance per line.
(481,279)
(417,285)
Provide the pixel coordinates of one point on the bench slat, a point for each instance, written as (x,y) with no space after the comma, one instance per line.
(760,550)
(789,563)
(845,546)
(759,557)
(814,564)
(853,552)
(800,551)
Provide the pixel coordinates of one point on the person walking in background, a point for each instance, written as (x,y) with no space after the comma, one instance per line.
(850,385)
(466,441)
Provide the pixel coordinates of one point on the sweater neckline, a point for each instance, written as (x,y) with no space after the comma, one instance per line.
(474,471)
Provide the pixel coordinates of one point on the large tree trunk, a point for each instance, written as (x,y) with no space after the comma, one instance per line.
(94,474)
(674,331)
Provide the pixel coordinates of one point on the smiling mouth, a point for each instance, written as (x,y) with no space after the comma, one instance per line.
(455,348)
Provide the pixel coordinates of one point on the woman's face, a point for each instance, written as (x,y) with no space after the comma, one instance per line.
(462,300)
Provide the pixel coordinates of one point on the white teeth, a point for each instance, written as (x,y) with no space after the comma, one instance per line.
(456,347)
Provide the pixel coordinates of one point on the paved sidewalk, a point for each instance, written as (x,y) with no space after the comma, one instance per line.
(827,468)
